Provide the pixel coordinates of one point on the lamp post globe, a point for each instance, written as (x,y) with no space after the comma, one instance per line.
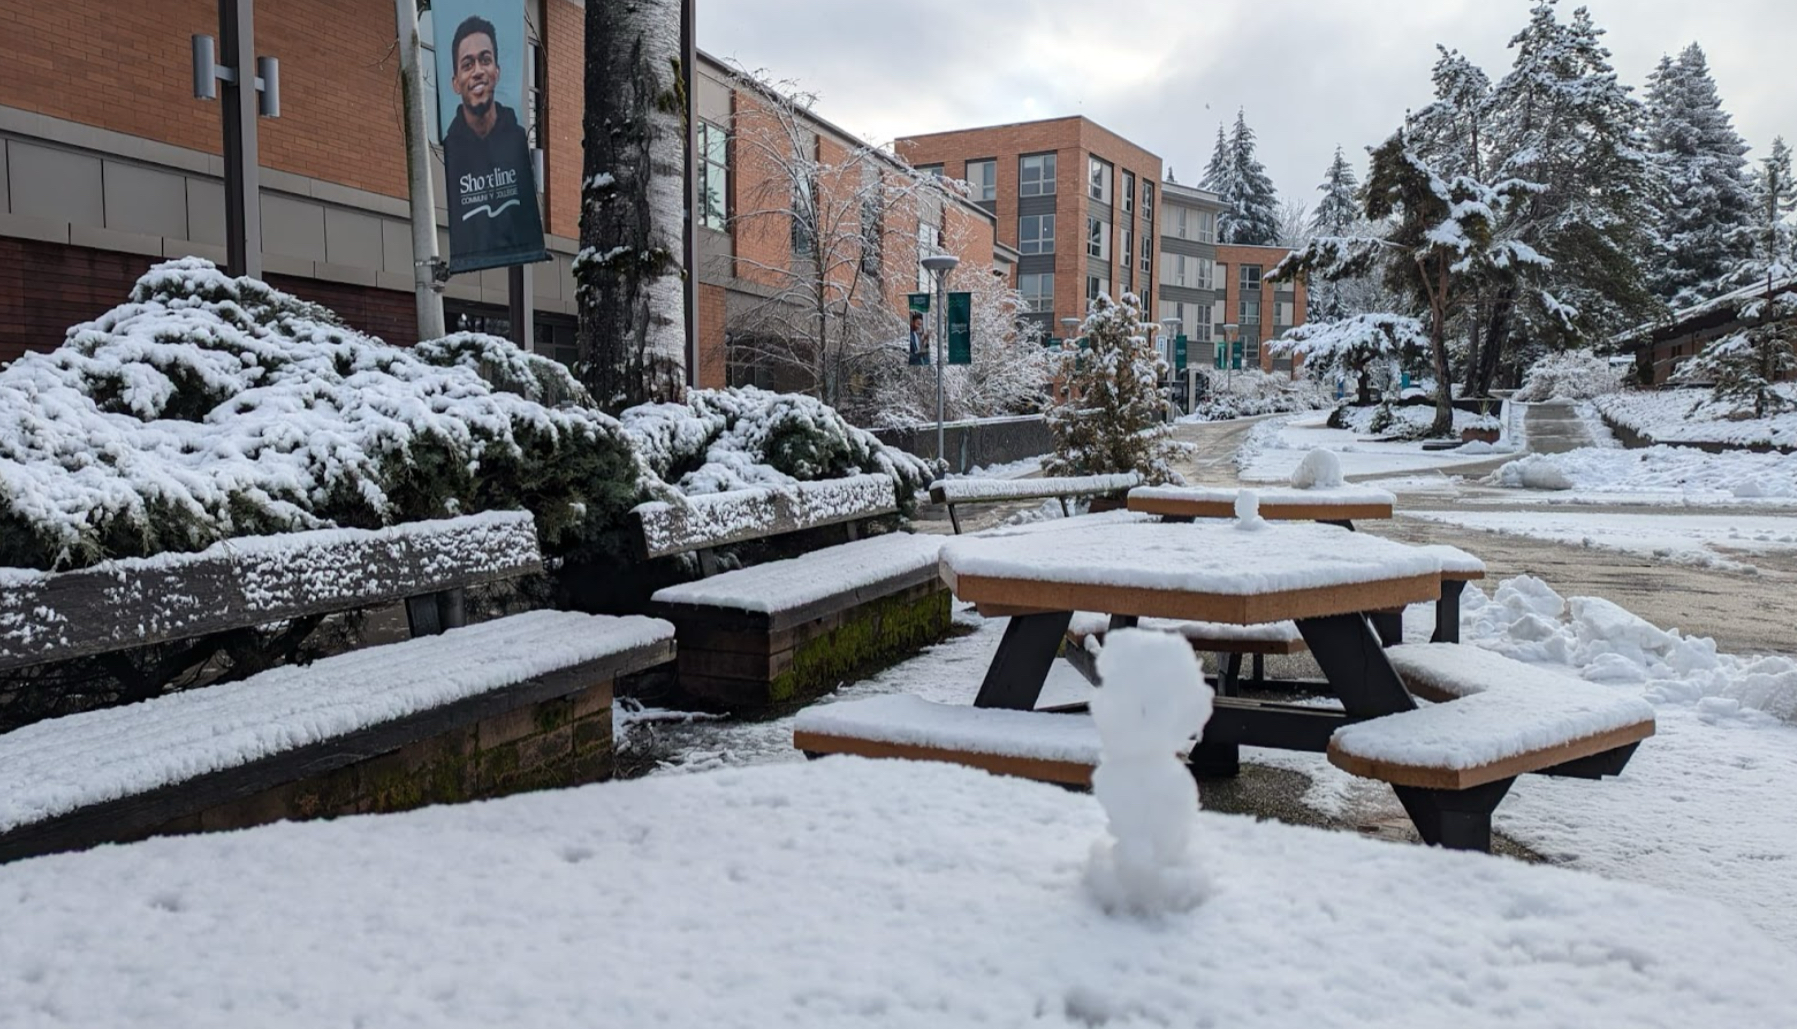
(939,265)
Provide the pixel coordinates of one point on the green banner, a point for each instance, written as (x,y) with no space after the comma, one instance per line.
(1180,353)
(918,302)
(960,328)
(1220,356)
(1237,349)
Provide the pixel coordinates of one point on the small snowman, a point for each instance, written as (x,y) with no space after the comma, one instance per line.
(1247,511)
(1320,469)
(1154,702)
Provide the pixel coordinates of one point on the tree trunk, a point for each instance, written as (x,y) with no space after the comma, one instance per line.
(1438,348)
(630,272)
(1497,330)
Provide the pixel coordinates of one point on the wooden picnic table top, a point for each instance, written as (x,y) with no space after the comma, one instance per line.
(1277,503)
(1203,571)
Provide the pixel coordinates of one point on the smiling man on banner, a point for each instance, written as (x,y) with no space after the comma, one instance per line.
(493,216)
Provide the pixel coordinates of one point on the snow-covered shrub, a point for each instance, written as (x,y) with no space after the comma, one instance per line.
(1405,421)
(1252,392)
(1570,375)
(209,407)
(1113,420)
(729,439)
(1352,347)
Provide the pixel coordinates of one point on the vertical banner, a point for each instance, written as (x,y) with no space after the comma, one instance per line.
(489,176)
(1220,359)
(960,328)
(1181,352)
(919,311)
(1236,350)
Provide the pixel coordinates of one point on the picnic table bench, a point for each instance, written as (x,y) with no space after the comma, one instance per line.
(457,712)
(958,492)
(1333,505)
(790,630)
(1323,579)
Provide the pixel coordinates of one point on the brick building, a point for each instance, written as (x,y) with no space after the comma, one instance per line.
(1076,200)
(1190,290)
(1261,309)
(108,164)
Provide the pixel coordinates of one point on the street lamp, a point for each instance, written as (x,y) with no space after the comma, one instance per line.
(1068,327)
(940,265)
(1230,331)
(1172,326)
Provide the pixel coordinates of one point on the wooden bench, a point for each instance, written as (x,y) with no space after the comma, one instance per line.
(787,631)
(1337,506)
(1085,634)
(458,712)
(956,492)
(1452,762)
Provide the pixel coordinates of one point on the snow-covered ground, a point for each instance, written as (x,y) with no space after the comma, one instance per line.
(1686,415)
(844,892)
(1657,475)
(1274,448)
(1704,540)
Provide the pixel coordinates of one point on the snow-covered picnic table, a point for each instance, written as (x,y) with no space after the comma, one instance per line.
(1337,505)
(1325,579)
(849,893)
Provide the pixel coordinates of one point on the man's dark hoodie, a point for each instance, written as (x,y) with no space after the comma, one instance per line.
(493,218)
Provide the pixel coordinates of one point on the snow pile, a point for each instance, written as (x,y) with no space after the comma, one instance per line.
(1573,375)
(208,407)
(732,439)
(1320,469)
(1251,392)
(1693,416)
(1154,701)
(1690,473)
(1602,642)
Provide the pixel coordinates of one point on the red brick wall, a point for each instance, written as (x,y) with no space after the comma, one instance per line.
(564,36)
(712,369)
(762,228)
(1266,257)
(47,287)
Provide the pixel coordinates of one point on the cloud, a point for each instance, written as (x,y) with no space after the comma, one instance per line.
(1164,73)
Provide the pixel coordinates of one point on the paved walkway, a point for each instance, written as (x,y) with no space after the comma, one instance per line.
(1555,428)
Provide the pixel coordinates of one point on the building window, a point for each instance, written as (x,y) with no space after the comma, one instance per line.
(1282,312)
(1207,227)
(1179,223)
(930,169)
(804,219)
(1129,192)
(1200,326)
(1173,269)
(714,176)
(1250,308)
(1101,179)
(1035,175)
(1098,239)
(983,177)
(1251,278)
(1147,201)
(1038,291)
(1035,234)
(1147,251)
(873,214)
(1096,285)
(1129,247)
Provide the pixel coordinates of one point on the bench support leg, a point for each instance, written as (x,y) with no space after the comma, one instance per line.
(432,613)
(1343,522)
(1064,512)
(954,519)
(1389,625)
(1447,612)
(1212,760)
(708,563)
(1024,656)
(1454,819)
(1355,665)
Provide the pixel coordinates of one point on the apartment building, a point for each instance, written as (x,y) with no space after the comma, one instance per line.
(1261,309)
(1190,290)
(108,164)
(1077,202)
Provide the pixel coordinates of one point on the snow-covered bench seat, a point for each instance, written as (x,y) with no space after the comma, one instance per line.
(1085,634)
(1451,762)
(955,492)
(457,712)
(1339,504)
(788,631)
(1049,747)
(710,520)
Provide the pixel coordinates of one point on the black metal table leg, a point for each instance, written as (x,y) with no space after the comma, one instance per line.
(1454,819)
(1024,656)
(1355,665)
(1343,522)
(1447,612)
(1211,759)
(1389,625)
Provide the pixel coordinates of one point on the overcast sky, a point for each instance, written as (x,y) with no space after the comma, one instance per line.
(1311,74)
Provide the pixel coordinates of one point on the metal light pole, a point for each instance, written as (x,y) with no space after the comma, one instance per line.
(940,265)
(1230,331)
(1172,326)
(252,86)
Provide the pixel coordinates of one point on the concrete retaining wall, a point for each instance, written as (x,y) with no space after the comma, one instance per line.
(975,444)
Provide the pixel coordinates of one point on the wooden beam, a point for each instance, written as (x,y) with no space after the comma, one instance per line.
(1272,510)
(1067,773)
(1436,778)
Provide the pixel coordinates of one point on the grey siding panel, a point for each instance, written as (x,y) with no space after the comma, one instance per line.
(352,239)
(5,191)
(713,101)
(206,212)
(396,248)
(55,185)
(1187,296)
(1101,268)
(1037,205)
(1188,247)
(1035,264)
(146,201)
(292,228)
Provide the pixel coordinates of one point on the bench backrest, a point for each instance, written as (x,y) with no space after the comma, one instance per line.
(253,581)
(720,519)
(971,491)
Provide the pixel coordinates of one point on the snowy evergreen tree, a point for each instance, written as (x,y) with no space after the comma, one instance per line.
(1113,420)
(1352,346)
(1453,132)
(1218,177)
(1702,160)
(1251,205)
(1744,366)
(1337,214)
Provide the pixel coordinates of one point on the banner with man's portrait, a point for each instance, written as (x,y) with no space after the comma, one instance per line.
(489,176)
